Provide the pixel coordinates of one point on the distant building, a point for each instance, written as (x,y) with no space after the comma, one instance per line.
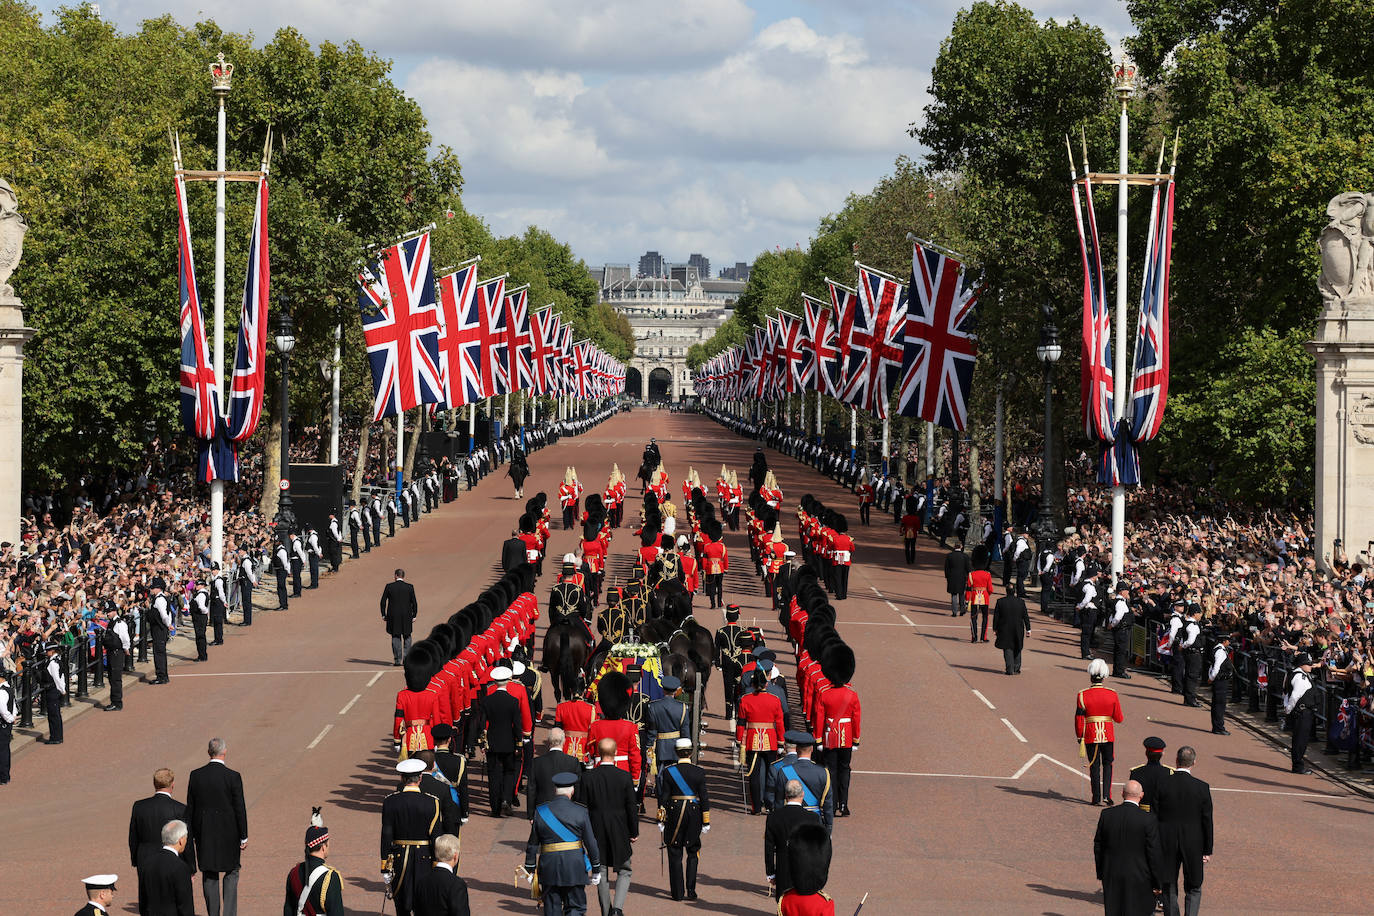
(651,264)
(701,263)
(739,272)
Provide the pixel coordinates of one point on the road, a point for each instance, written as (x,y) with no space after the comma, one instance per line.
(968,795)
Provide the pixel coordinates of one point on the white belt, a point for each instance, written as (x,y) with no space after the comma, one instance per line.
(532,555)
(842,556)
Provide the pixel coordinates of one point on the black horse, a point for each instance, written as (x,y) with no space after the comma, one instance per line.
(566,651)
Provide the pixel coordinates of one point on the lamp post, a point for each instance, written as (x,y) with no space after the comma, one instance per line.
(286,342)
(1048,352)
(221,83)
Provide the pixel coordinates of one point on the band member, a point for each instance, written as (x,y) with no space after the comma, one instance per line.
(759,729)
(410,823)
(1096,714)
(730,649)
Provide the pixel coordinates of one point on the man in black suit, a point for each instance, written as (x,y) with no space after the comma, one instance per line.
(441,892)
(1011,626)
(165,877)
(1184,808)
(957,567)
(500,715)
(609,794)
(1126,850)
(781,822)
(219,826)
(146,821)
(543,769)
(512,552)
(399,608)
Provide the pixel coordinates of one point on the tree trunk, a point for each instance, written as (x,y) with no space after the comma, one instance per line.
(271,468)
(975,481)
(360,466)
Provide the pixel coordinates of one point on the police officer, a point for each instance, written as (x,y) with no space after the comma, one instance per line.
(1190,644)
(159,628)
(219,605)
(410,822)
(562,847)
(54,685)
(200,620)
(1119,622)
(9,710)
(1301,705)
(281,564)
(1220,673)
(298,560)
(248,578)
(1176,623)
(334,542)
(313,553)
(117,644)
(1152,772)
(375,511)
(684,817)
(1087,614)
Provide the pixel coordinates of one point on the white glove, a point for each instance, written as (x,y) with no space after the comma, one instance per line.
(660,827)
(596,878)
(705,828)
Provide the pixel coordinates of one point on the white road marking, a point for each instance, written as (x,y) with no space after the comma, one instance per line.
(891,605)
(1019,737)
(985,700)
(931,775)
(907,619)
(1293,794)
(876,592)
(261,673)
(319,737)
(375,678)
(877,623)
(359,696)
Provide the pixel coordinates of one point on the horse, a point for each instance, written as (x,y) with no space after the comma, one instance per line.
(566,651)
(694,642)
(645,474)
(657,631)
(684,668)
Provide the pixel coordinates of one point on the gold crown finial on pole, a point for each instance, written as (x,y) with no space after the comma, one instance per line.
(221,76)
(1124,79)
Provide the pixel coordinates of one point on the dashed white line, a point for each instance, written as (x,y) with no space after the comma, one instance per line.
(375,678)
(359,696)
(876,592)
(1019,737)
(907,619)
(988,703)
(320,737)
(893,606)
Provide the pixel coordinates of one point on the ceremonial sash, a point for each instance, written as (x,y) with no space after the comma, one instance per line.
(809,800)
(304,898)
(685,793)
(561,831)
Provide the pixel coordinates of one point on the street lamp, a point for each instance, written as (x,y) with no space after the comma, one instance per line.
(1048,352)
(286,342)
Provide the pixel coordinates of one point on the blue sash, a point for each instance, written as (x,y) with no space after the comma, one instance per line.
(681,783)
(561,831)
(809,801)
(452,789)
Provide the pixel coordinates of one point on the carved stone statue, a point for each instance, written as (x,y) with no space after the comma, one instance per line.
(1347,247)
(12,229)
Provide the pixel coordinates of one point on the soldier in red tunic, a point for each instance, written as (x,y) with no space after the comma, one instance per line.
(838,722)
(417,707)
(808,860)
(715,562)
(758,732)
(687,566)
(568,492)
(841,555)
(575,716)
(866,494)
(1097,711)
(613,696)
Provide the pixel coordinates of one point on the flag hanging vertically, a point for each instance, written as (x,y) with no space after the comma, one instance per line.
(791,350)
(491,304)
(460,339)
(940,347)
(401,326)
(544,326)
(1150,383)
(1096,382)
(875,341)
(822,342)
(250,350)
(199,404)
(518,347)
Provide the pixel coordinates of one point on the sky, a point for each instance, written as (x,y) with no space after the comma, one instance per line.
(724,127)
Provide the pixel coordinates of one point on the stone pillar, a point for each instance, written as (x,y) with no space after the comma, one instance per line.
(13,336)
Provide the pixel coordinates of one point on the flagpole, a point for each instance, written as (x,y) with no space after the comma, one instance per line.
(1125,88)
(220,86)
(472,428)
(853,432)
(887,440)
(334,397)
(819,416)
(400,458)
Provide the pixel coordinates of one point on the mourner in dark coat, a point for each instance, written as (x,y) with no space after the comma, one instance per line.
(957,567)
(1011,624)
(441,892)
(609,794)
(545,767)
(218,820)
(1127,853)
(1183,804)
(563,845)
(166,878)
(146,821)
(781,822)
(399,608)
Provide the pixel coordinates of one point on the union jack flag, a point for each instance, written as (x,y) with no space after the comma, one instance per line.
(199,401)
(1150,385)
(491,295)
(401,326)
(568,376)
(845,303)
(582,368)
(518,344)
(941,347)
(822,343)
(1096,380)
(250,350)
(875,342)
(460,338)
(544,328)
(772,354)
(793,355)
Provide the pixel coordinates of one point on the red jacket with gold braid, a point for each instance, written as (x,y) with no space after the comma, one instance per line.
(626,736)
(417,711)
(575,718)
(1094,717)
(758,723)
(839,718)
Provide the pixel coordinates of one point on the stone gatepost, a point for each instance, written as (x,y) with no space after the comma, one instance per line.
(13,336)
(1343,348)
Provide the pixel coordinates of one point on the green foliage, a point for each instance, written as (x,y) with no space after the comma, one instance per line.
(774,283)
(1250,428)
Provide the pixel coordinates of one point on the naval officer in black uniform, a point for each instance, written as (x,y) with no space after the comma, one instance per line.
(410,822)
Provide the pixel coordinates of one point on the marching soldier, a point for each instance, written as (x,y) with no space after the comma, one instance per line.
(684,816)
(1152,772)
(248,579)
(715,562)
(312,887)
(100,891)
(574,715)
(451,770)
(219,605)
(1220,673)
(841,553)
(730,650)
(562,849)
(568,492)
(808,859)
(334,542)
(1097,712)
(200,619)
(410,823)
(758,733)
(817,794)
(667,720)
(838,723)
(313,553)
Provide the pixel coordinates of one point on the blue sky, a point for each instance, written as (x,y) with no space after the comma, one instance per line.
(724,127)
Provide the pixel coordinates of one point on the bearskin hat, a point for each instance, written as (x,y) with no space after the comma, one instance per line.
(590,530)
(527,523)
(981,559)
(841,523)
(648,537)
(808,858)
(420,664)
(713,528)
(838,664)
(446,638)
(594,504)
(613,692)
